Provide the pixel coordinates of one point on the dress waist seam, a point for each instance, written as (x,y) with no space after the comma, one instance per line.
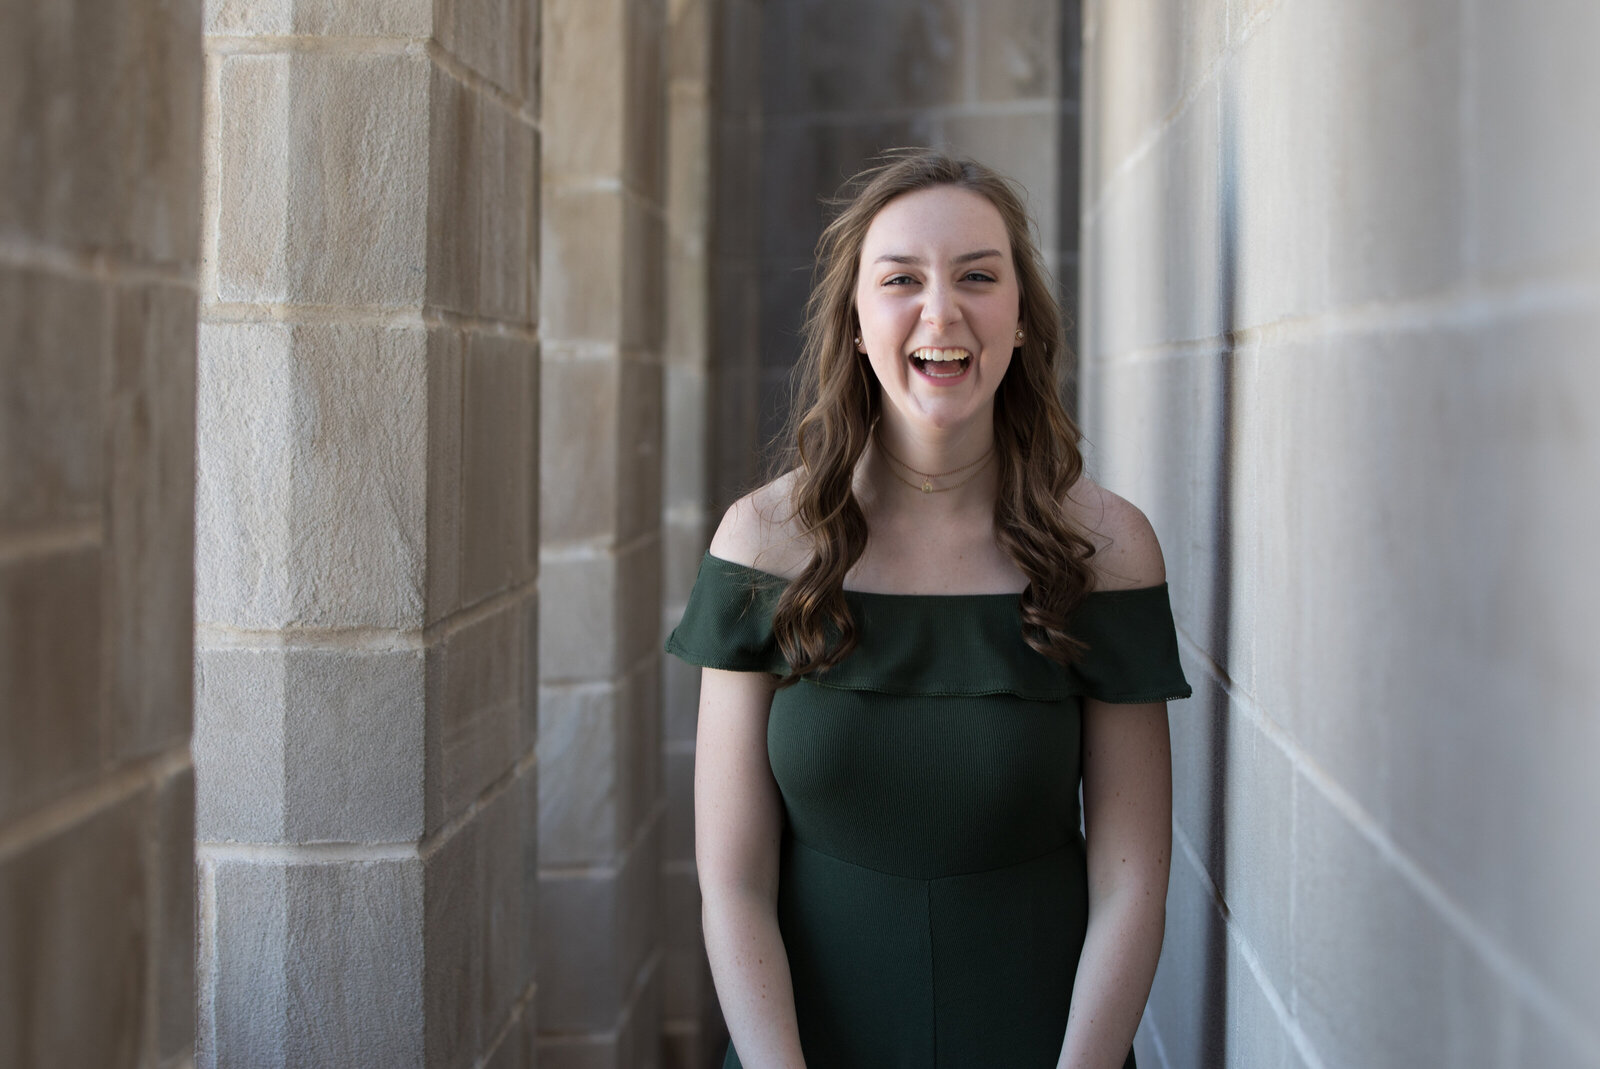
(1064,844)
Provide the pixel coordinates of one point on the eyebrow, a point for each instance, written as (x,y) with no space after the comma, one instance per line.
(966,257)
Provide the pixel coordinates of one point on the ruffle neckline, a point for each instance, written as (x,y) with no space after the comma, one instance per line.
(942,644)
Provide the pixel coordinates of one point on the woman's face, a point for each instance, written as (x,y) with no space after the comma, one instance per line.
(939,304)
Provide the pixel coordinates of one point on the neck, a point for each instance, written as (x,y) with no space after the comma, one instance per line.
(944,471)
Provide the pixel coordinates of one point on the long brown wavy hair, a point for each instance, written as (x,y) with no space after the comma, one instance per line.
(837,403)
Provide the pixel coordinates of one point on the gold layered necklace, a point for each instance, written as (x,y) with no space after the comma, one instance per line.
(927,477)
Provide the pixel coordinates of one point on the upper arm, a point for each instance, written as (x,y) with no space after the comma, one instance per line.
(738,814)
(1127,795)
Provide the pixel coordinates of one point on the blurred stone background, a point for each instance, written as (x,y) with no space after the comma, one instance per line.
(376,371)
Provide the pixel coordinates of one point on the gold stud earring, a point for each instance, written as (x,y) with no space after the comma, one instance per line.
(1019,333)
(858,339)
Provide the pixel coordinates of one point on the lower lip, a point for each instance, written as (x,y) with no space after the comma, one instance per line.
(944,380)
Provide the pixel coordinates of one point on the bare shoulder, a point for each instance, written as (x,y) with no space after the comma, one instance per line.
(1127,554)
(759,531)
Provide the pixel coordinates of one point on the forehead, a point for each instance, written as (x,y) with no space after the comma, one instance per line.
(930,223)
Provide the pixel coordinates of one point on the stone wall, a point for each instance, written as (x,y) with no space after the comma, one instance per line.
(1341,267)
(602,320)
(99,241)
(844,80)
(367,535)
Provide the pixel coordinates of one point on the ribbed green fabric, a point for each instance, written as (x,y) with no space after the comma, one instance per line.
(942,644)
(932,889)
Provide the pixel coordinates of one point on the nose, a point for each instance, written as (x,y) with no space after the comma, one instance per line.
(940,309)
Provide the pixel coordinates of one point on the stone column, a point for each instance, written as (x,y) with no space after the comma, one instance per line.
(1342,291)
(690,1019)
(99,240)
(600,798)
(366,599)
(736,444)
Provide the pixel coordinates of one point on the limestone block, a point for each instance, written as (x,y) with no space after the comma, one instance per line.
(1380,978)
(509,174)
(149,573)
(580,264)
(1017,50)
(172,941)
(582,731)
(686,336)
(301,951)
(644,286)
(73,944)
(312,480)
(639,593)
(1161,278)
(689,32)
(596,931)
(474,934)
(486,36)
(446,379)
(682,702)
(1233,799)
(1140,62)
(500,465)
(582,1052)
(918,60)
(679,784)
(319,18)
(639,464)
(1534,167)
(686,438)
(578,619)
(645,95)
(324,160)
(1187,1004)
(56,332)
(100,119)
(684,544)
(642,754)
(579,425)
(583,91)
(475,694)
(801,166)
(51,739)
(581,988)
(1023,147)
(455,215)
(1255,1033)
(309,745)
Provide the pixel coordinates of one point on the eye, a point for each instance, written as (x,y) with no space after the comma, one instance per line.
(899,280)
(977,276)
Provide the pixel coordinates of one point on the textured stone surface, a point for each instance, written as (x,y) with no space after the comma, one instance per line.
(100,123)
(149,563)
(309,745)
(56,336)
(499,456)
(312,18)
(323,174)
(580,785)
(74,941)
(313,452)
(583,87)
(1302,369)
(305,952)
(52,736)
(475,693)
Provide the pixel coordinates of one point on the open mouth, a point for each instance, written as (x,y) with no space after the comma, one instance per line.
(942,363)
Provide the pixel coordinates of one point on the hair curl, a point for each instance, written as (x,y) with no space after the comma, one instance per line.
(837,403)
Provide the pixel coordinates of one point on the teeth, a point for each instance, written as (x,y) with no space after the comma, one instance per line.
(941,355)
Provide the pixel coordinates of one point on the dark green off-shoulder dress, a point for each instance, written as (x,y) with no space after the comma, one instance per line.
(933,894)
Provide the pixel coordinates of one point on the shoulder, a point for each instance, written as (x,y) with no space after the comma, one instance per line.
(760,531)
(1127,553)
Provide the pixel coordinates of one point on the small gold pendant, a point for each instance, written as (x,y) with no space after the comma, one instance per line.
(927,487)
